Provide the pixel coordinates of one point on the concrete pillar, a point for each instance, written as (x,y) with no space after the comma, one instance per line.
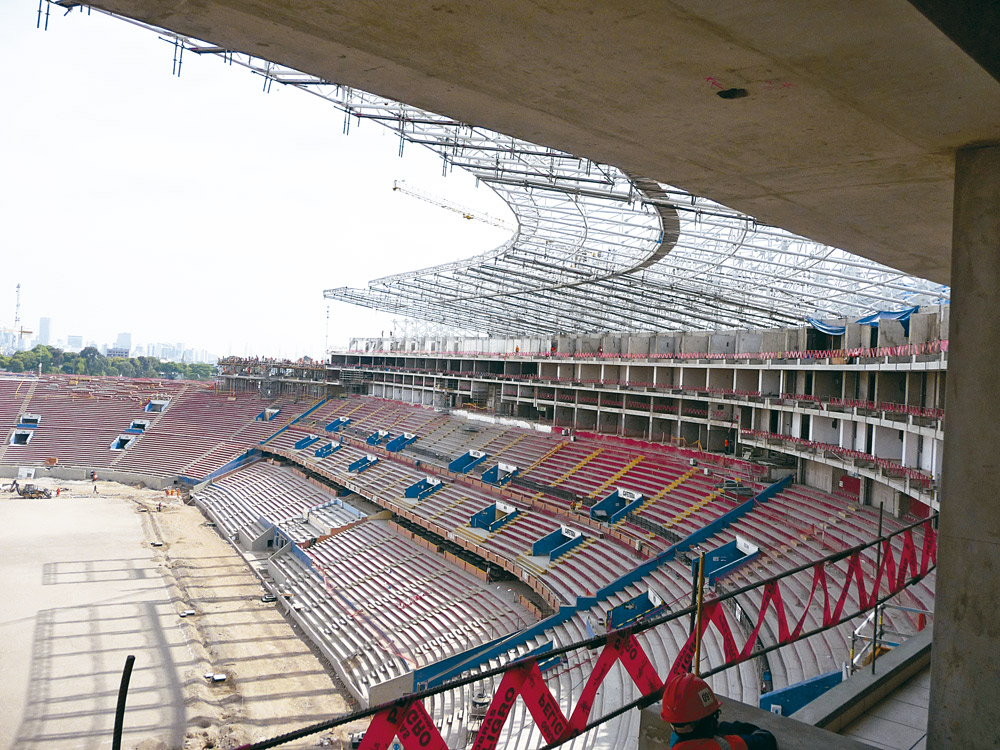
(965,669)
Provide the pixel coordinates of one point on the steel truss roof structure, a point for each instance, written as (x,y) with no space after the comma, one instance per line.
(597,249)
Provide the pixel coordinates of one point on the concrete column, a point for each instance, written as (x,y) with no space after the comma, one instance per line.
(965,667)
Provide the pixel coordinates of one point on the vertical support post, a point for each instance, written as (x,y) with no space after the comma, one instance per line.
(700,601)
(878,586)
(965,679)
(694,604)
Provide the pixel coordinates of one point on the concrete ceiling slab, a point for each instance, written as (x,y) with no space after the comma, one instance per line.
(846,133)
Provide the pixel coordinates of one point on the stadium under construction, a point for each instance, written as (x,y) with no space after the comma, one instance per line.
(655,431)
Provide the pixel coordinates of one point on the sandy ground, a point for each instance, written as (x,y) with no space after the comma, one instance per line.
(84,587)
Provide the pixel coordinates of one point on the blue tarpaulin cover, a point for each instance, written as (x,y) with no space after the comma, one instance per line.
(827,328)
(903,316)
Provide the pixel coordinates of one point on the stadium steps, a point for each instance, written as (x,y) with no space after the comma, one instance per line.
(616,476)
(694,508)
(21,410)
(576,467)
(27,396)
(465,533)
(547,455)
(669,488)
(524,561)
(507,447)
(450,506)
(152,425)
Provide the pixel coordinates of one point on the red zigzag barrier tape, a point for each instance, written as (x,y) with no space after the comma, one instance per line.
(415,729)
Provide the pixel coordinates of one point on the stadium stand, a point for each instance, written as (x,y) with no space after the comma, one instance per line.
(389,595)
(194,431)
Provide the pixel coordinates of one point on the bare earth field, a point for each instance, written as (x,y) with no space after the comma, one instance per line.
(83,587)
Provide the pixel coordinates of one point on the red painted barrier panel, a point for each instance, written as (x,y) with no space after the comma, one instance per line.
(411,723)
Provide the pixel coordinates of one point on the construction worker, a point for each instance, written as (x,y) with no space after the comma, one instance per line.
(693,710)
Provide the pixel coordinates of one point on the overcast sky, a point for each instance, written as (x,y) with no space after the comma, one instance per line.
(198,209)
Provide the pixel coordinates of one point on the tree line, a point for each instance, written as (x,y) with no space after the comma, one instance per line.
(91,362)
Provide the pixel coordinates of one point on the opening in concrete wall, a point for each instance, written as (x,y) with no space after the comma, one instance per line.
(157,405)
(122,442)
(21,437)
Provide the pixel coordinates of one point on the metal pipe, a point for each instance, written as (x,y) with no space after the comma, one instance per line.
(699,602)
(116,738)
(878,587)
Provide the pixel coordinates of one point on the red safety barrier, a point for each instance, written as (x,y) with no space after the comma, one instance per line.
(408,719)
(869,592)
(887,465)
(411,723)
(903,350)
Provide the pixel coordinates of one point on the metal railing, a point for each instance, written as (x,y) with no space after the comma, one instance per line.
(407,719)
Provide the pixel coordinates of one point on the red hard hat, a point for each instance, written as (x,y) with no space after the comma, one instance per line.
(688,698)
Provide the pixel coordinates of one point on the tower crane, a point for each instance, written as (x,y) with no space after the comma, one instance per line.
(466,213)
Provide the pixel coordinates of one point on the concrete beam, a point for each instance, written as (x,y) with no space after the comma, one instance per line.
(846,702)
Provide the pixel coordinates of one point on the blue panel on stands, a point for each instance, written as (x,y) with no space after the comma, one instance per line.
(247,458)
(547,543)
(423,488)
(337,424)
(559,542)
(363,463)
(492,517)
(398,443)
(465,462)
(633,610)
(724,560)
(378,437)
(499,474)
(616,506)
(445,666)
(562,549)
(484,518)
(328,449)
(794,697)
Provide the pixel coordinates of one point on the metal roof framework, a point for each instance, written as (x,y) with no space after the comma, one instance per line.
(596,249)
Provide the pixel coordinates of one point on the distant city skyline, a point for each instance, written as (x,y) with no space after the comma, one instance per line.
(122,342)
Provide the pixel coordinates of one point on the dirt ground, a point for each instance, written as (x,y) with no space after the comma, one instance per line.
(275,682)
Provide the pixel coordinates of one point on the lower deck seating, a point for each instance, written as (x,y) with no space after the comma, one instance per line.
(388,605)
(257,497)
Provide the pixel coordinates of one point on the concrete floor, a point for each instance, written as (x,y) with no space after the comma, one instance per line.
(900,721)
(80,593)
